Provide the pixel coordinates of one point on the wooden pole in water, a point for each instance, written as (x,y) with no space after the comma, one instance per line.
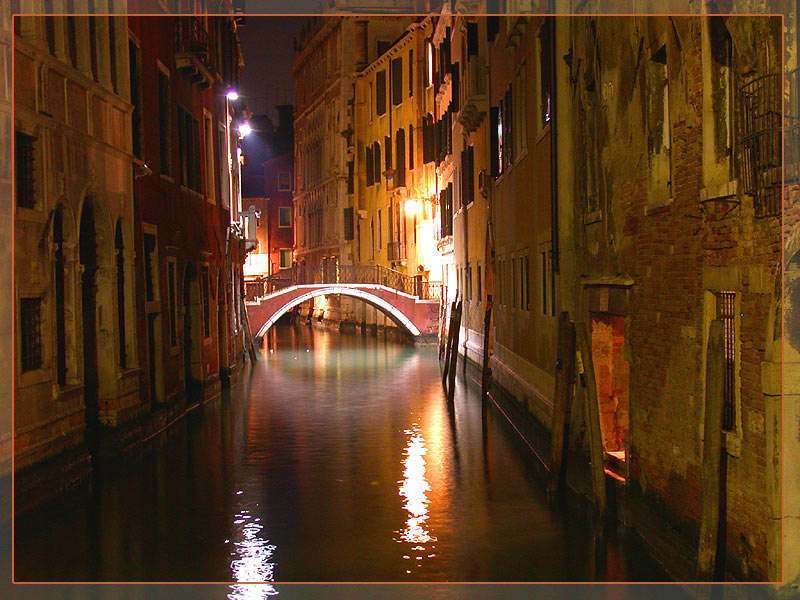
(592,411)
(448,345)
(454,352)
(486,375)
(565,375)
(712,452)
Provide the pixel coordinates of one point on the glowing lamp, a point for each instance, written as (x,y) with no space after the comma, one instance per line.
(232,95)
(412,206)
(244,129)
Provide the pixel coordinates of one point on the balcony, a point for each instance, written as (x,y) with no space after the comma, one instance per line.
(761,129)
(476,100)
(194,56)
(397,251)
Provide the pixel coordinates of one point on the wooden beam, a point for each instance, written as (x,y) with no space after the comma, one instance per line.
(565,375)
(451,387)
(592,412)
(712,452)
(448,345)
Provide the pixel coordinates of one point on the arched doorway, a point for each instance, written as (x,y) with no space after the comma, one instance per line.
(88,258)
(192,337)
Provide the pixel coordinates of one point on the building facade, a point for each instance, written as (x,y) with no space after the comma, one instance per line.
(123,316)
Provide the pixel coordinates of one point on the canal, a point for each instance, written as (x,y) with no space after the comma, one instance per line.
(337,458)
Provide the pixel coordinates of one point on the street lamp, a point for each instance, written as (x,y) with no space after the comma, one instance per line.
(244,129)
(232,95)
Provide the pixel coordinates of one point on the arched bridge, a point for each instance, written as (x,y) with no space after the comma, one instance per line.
(409,301)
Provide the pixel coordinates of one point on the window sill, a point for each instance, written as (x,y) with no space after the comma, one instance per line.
(30,214)
(719,192)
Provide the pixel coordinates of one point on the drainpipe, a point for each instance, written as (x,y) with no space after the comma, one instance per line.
(554,246)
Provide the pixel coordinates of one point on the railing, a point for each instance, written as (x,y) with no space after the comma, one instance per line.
(761,142)
(350,274)
(397,250)
(194,39)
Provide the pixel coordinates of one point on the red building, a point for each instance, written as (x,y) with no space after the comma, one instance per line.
(188,245)
(267,186)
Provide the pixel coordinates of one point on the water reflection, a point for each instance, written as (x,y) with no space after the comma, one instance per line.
(252,559)
(413,488)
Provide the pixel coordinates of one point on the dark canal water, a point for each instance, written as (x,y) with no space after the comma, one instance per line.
(335,459)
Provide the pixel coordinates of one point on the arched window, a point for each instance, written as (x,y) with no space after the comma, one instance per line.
(120,246)
(60,266)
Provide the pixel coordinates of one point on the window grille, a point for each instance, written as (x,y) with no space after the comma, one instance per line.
(31,328)
(726,306)
(25,170)
(760,102)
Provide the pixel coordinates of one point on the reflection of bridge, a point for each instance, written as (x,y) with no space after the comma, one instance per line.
(409,301)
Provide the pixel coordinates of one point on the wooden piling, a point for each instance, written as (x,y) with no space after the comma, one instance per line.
(592,412)
(712,452)
(486,374)
(565,375)
(451,387)
(448,344)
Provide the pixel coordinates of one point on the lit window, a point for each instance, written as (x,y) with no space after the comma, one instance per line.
(286,258)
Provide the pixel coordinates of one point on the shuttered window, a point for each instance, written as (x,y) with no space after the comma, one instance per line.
(348,223)
(400,161)
(370,167)
(380,87)
(397,81)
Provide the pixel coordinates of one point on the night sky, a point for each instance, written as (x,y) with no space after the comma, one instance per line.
(267,44)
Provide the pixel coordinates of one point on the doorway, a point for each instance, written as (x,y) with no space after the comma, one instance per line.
(88,258)
(612,373)
(192,339)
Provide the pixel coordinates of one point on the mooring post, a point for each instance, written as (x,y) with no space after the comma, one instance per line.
(454,352)
(448,345)
(486,374)
(592,412)
(712,452)
(565,375)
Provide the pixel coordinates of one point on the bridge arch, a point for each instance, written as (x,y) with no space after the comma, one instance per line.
(387,308)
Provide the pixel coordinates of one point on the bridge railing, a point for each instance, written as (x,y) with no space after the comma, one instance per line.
(353,274)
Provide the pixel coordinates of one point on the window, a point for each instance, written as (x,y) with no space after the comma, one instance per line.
(446,210)
(722,93)
(211,192)
(726,311)
(495,137)
(525,283)
(164,123)
(173,312)
(92,21)
(480,284)
(284,181)
(427,139)
(285,216)
(544,286)
(383,47)
(149,267)
(410,73)
(112,51)
(658,126)
(428,63)
(350,177)
(387,149)
(25,170)
(30,319)
(400,151)
(380,230)
(206,299)
(520,104)
(369,102)
(376,157)
(72,37)
(60,277)
(467,176)
(372,235)
(380,90)
(119,246)
(50,34)
(472,39)
(397,81)
(370,167)
(188,149)
(286,258)
(507,130)
(411,147)
(135,75)
(546,70)
(348,223)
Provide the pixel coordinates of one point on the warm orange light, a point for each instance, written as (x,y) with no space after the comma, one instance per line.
(412,207)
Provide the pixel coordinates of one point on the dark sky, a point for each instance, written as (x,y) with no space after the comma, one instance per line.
(267,44)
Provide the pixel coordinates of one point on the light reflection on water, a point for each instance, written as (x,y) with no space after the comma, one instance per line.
(337,458)
(413,488)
